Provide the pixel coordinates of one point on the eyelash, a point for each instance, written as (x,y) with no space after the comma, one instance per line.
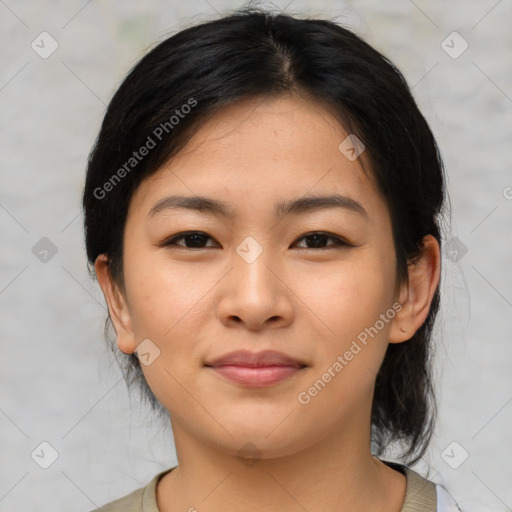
(339,242)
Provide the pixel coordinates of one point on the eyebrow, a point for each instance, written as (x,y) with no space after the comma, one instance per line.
(297,206)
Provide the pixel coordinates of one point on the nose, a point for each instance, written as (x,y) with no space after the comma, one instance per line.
(255,293)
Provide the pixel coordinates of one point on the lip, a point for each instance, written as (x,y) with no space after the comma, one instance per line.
(256,369)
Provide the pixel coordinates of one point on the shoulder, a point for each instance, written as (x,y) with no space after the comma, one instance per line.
(140,500)
(130,503)
(423,495)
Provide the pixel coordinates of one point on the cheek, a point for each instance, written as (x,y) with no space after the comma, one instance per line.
(351,306)
(169,306)
(354,312)
(346,298)
(164,295)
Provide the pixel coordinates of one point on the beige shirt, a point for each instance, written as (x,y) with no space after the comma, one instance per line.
(421,495)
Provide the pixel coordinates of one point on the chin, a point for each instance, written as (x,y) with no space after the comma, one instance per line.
(262,441)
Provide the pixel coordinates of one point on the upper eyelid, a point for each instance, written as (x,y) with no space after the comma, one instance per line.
(340,239)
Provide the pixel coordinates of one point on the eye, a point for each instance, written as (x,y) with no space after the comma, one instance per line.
(196,239)
(318,239)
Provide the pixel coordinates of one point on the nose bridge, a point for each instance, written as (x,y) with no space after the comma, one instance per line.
(250,250)
(253,293)
(252,261)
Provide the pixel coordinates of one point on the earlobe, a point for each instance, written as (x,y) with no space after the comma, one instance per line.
(416,295)
(117,306)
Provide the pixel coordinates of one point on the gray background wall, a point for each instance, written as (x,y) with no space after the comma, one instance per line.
(58,383)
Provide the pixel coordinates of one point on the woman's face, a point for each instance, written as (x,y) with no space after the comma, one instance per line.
(255,279)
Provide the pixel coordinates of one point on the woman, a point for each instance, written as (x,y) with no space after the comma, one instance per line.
(262,213)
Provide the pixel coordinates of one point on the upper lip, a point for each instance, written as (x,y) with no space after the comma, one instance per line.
(255,359)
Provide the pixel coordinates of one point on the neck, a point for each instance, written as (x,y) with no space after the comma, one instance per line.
(332,475)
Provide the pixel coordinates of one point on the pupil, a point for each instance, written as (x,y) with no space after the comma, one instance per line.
(316,239)
(197,238)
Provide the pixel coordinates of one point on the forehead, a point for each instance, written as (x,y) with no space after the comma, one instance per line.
(263,151)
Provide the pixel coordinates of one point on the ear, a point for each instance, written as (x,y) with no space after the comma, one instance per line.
(117,305)
(416,296)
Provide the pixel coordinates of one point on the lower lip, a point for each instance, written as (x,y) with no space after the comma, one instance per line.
(256,377)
